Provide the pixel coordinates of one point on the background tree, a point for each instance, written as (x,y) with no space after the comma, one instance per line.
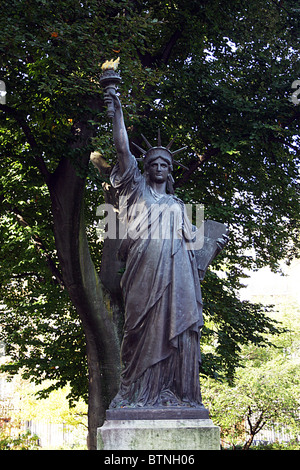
(24,403)
(220,77)
(266,390)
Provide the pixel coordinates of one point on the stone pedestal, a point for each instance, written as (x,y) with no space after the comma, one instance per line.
(164,433)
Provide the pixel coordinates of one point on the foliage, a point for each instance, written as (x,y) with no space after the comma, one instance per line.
(279,446)
(43,337)
(25,403)
(25,441)
(217,75)
(55,408)
(266,389)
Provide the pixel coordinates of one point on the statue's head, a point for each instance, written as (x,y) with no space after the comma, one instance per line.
(158,170)
(162,154)
(159,151)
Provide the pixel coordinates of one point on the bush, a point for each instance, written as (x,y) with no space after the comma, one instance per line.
(291,445)
(25,441)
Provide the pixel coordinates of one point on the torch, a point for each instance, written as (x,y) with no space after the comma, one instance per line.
(109,81)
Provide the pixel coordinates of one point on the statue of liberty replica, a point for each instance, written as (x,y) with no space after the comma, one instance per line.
(160,351)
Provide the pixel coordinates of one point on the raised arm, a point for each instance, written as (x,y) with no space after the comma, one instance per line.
(120,134)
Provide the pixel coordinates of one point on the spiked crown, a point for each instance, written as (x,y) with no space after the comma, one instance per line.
(159,151)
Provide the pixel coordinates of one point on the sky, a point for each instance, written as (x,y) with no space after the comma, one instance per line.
(264,282)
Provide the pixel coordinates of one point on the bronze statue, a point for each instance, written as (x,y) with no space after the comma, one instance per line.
(160,351)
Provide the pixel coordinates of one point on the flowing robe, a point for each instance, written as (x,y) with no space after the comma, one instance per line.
(163,306)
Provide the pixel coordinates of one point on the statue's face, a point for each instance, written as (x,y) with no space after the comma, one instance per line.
(158,170)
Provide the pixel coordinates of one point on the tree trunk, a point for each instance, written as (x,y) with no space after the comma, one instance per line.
(247,444)
(85,290)
(254,429)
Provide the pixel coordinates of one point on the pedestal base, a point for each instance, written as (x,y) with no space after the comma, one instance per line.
(159,434)
(154,413)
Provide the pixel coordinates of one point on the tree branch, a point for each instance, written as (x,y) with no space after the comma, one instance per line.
(167,50)
(259,428)
(288,144)
(196,164)
(30,138)
(163,55)
(249,420)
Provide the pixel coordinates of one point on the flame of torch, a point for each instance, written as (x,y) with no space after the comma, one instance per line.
(109,81)
(110,64)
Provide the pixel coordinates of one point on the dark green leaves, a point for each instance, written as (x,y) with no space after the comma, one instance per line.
(216,74)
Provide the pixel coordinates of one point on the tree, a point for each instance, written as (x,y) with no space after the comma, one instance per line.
(25,403)
(262,397)
(266,389)
(54,408)
(220,77)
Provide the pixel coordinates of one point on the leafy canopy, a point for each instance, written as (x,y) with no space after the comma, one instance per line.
(217,75)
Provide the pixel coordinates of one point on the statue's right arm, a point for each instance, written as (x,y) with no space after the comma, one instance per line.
(120,135)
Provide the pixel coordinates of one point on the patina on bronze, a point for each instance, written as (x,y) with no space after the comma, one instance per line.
(160,351)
